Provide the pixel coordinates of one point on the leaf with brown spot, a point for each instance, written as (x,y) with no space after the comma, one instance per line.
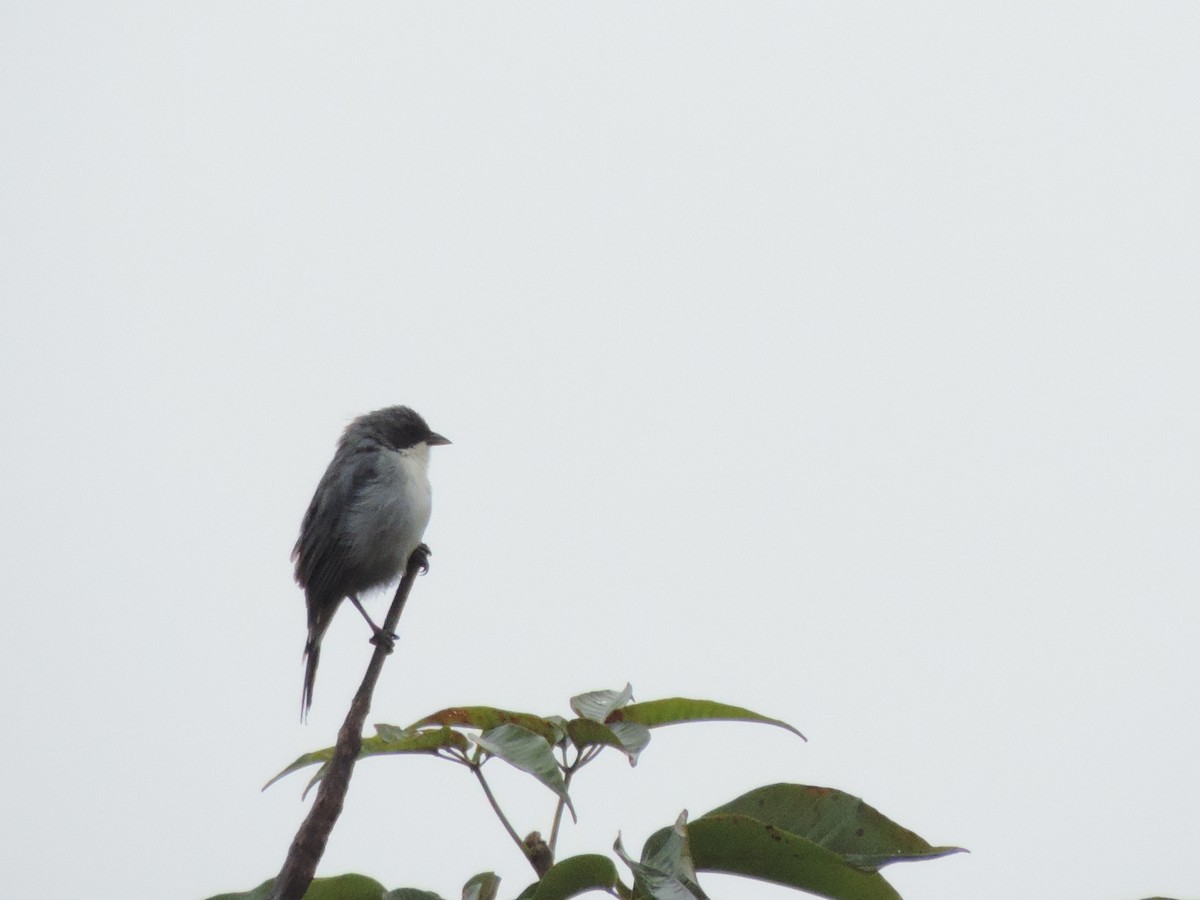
(387,741)
(485,718)
(739,845)
(840,822)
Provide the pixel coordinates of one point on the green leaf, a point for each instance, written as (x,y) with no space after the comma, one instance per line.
(529,752)
(560,725)
(345,887)
(428,741)
(738,845)
(577,875)
(483,886)
(675,710)
(388,740)
(308,759)
(392,733)
(338,887)
(262,892)
(633,738)
(485,718)
(585,733)
(858,833)
(599,705)
(666,870)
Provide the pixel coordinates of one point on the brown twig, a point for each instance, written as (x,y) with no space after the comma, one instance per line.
(309,844)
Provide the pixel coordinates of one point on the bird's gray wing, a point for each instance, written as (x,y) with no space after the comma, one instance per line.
(323,553)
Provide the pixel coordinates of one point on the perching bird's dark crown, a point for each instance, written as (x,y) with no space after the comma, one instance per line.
(396,427)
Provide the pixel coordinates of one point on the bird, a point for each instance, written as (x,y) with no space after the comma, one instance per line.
(366,519)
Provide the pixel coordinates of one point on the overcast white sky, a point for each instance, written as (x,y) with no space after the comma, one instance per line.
(836,361)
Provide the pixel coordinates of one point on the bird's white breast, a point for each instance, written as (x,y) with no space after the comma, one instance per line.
(413,494)
(390,517)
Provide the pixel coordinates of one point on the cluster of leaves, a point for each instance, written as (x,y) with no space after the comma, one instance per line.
(813,839)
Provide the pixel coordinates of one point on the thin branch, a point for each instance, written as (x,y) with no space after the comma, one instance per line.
(512,832)
(582,758)
(568,769)
(309,844)
(558,811)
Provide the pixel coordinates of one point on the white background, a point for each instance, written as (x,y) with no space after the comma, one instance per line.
(835,361)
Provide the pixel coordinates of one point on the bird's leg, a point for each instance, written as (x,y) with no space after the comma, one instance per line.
(421,555)
(388,640)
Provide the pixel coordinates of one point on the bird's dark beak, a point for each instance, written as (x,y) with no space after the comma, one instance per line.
(434,439)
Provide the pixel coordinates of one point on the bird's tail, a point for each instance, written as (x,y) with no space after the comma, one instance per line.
(320,615)
(312,655)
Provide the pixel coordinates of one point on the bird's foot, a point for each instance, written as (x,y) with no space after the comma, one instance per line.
(384,639)
(421,557)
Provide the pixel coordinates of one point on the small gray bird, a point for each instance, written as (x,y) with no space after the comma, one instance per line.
(365,520)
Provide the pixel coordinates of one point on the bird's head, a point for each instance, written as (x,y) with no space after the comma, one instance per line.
(396,427)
